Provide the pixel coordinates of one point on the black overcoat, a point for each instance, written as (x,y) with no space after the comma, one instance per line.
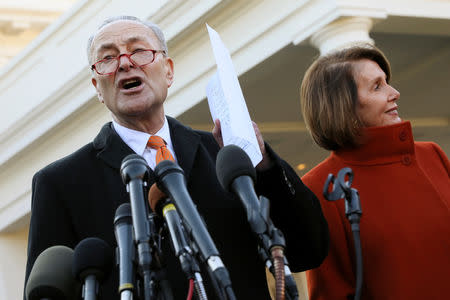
(76,197)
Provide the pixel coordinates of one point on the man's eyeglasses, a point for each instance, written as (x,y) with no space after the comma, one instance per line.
(139,58)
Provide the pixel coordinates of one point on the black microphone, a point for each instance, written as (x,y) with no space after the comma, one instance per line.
(170,179)
(92,261)
(236,174)
(134,171)
(51,277)
(164,208)
(135,174)
(125,250)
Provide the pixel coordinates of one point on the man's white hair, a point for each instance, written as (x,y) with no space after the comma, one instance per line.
(155,28)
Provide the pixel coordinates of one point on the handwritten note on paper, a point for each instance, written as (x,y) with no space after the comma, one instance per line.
(226,102)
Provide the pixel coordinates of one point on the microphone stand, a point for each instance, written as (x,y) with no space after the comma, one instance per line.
(271,244)
(290,285)
(159,278)
(341,189)
(182,249)
(271,249)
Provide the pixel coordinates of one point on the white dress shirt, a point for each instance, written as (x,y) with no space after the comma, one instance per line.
(137,140)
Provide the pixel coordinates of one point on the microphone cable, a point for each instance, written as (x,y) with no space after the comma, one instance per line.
(191,289)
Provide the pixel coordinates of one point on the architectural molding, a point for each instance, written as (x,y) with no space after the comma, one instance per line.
(45,116)
(71,133)
(435,9)
(14,215)
(342,33)
(332,11)
(37,6)
(177,17)
(15,21)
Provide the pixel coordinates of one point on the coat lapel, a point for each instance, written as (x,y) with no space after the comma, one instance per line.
(111,149)
(185,143)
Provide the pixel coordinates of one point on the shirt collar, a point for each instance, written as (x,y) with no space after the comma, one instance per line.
(137,140)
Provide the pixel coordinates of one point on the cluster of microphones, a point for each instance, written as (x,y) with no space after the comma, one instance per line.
(77,274)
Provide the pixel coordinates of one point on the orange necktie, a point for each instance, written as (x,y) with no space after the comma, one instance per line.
(162,153)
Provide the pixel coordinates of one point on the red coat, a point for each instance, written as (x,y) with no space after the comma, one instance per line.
(404,189)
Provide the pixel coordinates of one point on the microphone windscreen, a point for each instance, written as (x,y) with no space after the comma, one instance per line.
(51,276)
(123,213)
(134,166)
(154,196)
(231,163)
(92,256)
(133,158)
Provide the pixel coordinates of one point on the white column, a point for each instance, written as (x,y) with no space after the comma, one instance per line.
(13,256)
(342,33)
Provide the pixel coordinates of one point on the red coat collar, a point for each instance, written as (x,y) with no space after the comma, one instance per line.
(384,144)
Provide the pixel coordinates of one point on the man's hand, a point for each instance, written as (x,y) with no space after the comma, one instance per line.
(266,161)
(217,133)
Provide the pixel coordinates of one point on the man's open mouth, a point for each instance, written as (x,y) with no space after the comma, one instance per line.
(130,83)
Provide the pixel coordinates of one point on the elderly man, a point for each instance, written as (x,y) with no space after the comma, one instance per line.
(76,197)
